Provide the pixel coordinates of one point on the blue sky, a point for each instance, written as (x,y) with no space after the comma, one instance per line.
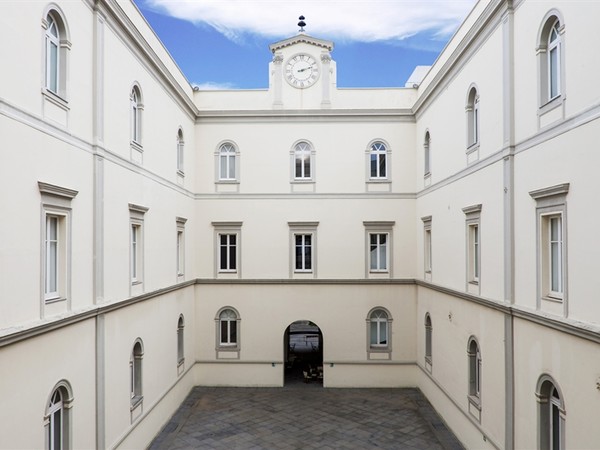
(378,43)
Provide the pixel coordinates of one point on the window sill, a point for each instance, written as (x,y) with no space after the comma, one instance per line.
(227,348)
(550,105)
(551,298)
(181,173)
(227,182)
(55,99)
(136,283)
(303,271)
(302,181)
(474,282)
(227,271)
(136,401)
(54,300)
(378,180)
(475,401)
(136,146)
(472,148)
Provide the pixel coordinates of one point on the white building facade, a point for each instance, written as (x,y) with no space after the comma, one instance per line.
(161,238)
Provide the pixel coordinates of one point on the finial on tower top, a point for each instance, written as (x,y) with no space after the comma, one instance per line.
(301,24)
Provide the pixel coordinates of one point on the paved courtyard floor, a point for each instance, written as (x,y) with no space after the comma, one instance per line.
(305,417)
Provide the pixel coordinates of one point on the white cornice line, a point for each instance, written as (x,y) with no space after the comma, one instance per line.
(309,113)
(308,195)
(469,44)
(304,38)
(130,35)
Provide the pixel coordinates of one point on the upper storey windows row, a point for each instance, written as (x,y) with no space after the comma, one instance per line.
(302,156)
(550,49)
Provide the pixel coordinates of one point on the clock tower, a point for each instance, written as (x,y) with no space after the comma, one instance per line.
(302,73)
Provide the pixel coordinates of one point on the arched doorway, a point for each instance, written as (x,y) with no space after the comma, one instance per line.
(303,354)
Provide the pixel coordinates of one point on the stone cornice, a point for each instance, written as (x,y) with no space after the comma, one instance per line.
(301,38)
(58,191)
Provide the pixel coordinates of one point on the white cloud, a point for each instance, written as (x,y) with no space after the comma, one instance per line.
(213,86)
(349,20)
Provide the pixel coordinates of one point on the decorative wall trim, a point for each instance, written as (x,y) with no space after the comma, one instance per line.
(58,191)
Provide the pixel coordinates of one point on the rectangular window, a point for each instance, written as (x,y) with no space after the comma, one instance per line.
(378,253)
(378,249)
(551,237)
(55,271)
(52,258)
(427,250)
(180,246)
(135,257)
(473,247)
(303,252)
(227,252)
(473,254)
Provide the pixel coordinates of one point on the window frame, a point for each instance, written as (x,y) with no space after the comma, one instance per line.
(379,228)
(553,20)
(428,343)
(228,349)
(180,248)
(58,94)
(231,152)
(136,387)
(427,156)
(56,203)
(474,376)
(307,153)
(180,344)
(379,351)
(427,247)
(136,248)
(303,229)
(228,229)
(473,120)
(380,150)
(180,153)
(473,248)
(551,203)
(63,387)
(547,406)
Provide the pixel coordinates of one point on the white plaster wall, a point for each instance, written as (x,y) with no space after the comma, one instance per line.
(454,321)
(29,372)
(266,310)
(155,323)
(340,248)
(574,365)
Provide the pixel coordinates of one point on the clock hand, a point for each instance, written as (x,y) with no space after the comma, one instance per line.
(302,70)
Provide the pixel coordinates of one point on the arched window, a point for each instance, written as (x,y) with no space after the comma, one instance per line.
(554,57)
(136,108)
(378,161)
(378,329)
(427,155)
(428,335)
(135,371)
(180,151)
(550,51)
(52,55)
(57,419)
(552,414)
(180,352)
(303,161)
(227,162)
(474,355)
(472,117)
(228,328)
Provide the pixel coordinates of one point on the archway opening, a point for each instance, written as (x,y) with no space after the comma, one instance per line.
(303,354)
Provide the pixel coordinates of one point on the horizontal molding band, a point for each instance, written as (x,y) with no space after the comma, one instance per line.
(308,195)
(581,330)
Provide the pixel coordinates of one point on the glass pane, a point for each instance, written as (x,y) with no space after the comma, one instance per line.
(223,167)
(383,253)
(373,165)
(52,266)
(383,333)
(373,333)
(555,428)
(231,167)
(224,339)
(307,167)
(233,328)
(53,62)
(373,257)
(553,72)
(555,267)
(382,172)
(299,257)
(223,253)
(57,432)
(232,253)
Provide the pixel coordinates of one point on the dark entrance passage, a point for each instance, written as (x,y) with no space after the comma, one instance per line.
(303,354)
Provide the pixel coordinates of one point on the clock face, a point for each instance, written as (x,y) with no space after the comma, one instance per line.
(301,71)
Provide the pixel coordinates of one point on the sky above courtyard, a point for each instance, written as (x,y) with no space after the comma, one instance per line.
(223,44)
